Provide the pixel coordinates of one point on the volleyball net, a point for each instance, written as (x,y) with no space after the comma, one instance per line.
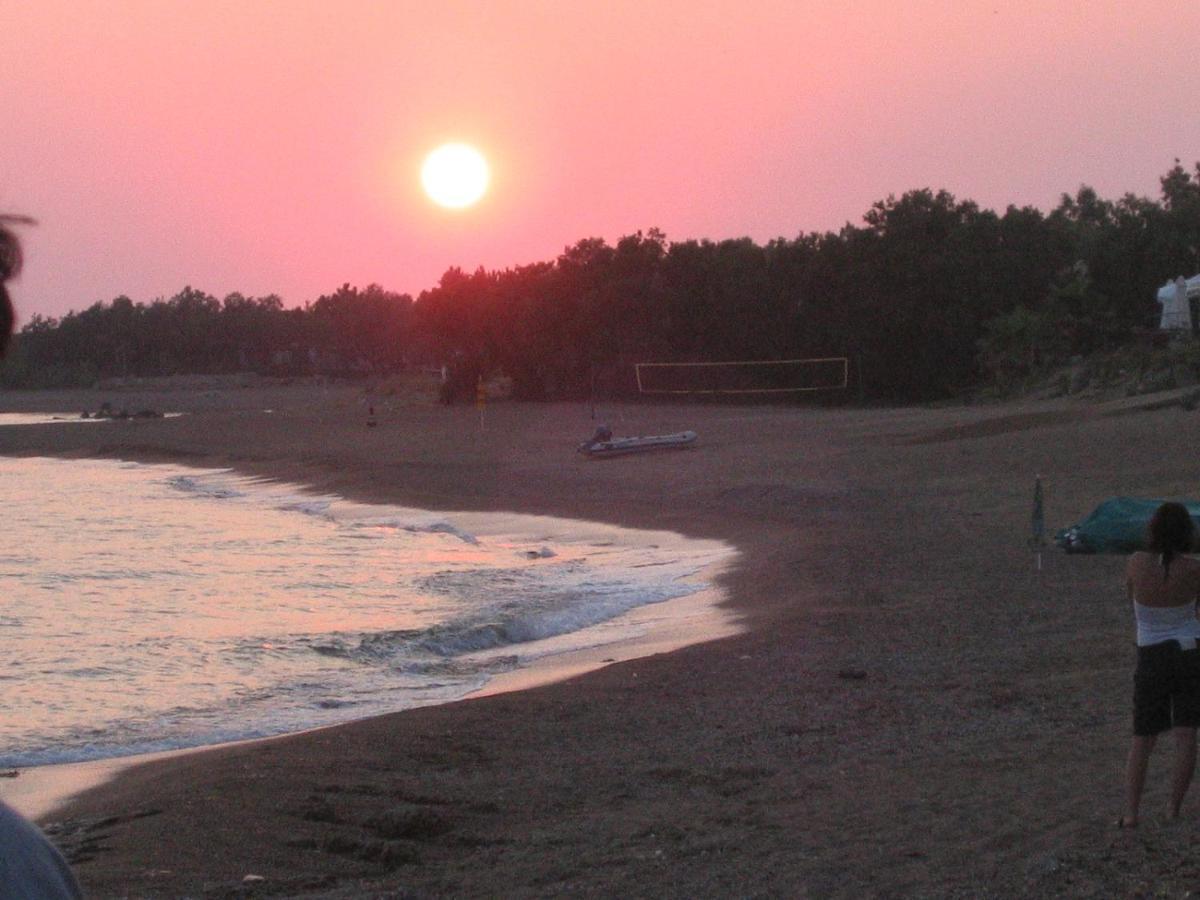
(776,376)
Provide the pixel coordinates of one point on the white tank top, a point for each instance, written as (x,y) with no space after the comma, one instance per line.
(1156,624)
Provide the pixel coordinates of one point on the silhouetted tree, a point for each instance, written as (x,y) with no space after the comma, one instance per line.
(927,295)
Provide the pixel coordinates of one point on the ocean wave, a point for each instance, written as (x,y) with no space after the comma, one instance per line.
(223,485)
(171,627)
(508,620)
(314,507)
(204,486)
(442,528)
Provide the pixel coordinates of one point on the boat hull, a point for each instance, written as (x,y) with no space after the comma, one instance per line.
(625,446)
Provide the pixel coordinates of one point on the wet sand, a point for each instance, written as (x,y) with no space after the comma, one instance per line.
(40,792)
(913,707)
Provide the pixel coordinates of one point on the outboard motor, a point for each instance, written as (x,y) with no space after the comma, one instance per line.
(602,433)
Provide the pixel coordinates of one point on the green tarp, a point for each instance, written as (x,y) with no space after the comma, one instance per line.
(1117,525)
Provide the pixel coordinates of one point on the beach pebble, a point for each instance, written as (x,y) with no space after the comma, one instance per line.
(1044,866)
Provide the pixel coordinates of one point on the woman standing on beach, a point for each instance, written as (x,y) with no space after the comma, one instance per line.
(1164,586)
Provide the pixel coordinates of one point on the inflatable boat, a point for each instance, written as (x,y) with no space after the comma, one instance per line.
(602,443)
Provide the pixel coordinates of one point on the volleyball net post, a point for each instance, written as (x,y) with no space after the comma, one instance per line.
(775,376)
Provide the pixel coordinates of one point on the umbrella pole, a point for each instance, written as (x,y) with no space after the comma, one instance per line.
(1038,537)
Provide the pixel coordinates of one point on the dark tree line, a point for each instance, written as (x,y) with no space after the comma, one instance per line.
(928,296)
(348,332)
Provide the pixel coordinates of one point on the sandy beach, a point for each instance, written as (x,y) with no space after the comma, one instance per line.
(910,708)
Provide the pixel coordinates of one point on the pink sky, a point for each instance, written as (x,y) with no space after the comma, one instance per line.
(274,147)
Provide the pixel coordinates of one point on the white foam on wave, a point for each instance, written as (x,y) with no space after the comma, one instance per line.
(202,487)
(348,628)
(225,484)
(443,528)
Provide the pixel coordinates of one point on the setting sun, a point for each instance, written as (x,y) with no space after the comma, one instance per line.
(455,175)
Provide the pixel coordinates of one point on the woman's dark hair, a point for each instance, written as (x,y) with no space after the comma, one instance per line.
(10,266)
(1171,532)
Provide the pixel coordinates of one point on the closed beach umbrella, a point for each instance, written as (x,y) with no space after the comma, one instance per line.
(1038,536)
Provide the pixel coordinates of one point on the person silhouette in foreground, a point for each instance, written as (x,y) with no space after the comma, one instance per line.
(1164,586)
(10,265)
(30,866)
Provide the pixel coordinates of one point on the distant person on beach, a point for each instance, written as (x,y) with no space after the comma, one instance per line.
(30,866)
(1164,586)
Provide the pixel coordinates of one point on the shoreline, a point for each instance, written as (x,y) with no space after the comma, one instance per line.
(868,731)
(39,792)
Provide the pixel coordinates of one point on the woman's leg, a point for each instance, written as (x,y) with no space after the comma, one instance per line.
(1135,777)
(1185,765)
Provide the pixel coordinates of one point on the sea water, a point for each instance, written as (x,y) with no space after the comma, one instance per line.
(152,607)
(38,418)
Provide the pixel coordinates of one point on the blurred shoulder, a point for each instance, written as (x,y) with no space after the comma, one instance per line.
(30,866)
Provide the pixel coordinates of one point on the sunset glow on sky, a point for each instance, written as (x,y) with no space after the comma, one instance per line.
(275,147)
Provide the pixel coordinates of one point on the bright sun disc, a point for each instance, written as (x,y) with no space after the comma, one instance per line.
(455,175)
